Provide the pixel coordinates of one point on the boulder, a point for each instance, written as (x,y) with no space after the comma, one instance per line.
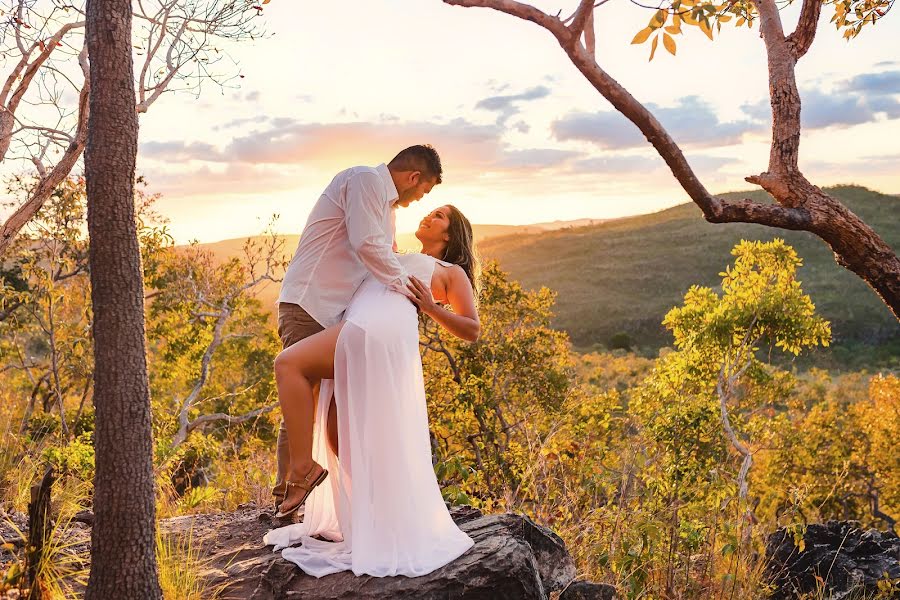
(587,590)
(847,560)
(513,557)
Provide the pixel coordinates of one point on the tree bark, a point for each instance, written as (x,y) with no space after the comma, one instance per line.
(123,558)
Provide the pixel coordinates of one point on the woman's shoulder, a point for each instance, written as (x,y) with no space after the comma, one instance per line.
(450,267)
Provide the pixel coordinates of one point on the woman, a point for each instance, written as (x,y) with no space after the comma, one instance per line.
(383,507)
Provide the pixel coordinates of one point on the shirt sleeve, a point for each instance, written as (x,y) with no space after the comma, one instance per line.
(394,230)
(369,228)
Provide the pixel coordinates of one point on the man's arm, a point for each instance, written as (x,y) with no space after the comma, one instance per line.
(368,221)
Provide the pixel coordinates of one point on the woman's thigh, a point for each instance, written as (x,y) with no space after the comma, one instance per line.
(312,356)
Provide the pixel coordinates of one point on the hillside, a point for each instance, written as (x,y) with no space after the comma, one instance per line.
(622,276)
(268,293)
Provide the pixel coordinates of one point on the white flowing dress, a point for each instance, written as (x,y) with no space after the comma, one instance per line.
(381,504)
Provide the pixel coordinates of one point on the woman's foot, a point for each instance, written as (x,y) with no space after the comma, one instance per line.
(298,487)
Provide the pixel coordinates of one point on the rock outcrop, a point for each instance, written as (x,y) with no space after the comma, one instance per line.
(588,590)
(513,557)
(848,561)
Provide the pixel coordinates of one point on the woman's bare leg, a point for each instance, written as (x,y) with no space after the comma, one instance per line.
(297,370)
(332,427)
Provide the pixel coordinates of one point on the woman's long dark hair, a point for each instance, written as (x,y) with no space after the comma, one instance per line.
(461,247)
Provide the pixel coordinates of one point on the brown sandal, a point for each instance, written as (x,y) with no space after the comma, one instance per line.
(305,484)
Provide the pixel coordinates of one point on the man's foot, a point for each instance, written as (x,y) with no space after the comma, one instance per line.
(278,494)
(291,519)
(298,490)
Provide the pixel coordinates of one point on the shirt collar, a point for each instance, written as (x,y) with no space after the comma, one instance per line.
(389,186)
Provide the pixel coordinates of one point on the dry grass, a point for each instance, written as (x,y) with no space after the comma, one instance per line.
(181,568)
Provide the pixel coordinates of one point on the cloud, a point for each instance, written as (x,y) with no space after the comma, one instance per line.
(825,110)
(464,147)
(851,169)
(180,151)
(631,164)
(292,141)
(885,82)
(890,107)
(705,163)
(691,122)
(617,165)
(854,101)
(536,158)
(507,106)
(241,121)
(208,181)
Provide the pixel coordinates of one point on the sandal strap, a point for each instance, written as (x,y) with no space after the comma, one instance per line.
(300,484)
(307,482)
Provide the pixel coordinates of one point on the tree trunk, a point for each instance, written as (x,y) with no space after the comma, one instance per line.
(123,558)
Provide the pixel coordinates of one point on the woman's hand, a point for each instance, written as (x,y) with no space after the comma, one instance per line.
(421,296)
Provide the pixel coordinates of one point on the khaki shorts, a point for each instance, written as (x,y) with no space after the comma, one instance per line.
(295,324)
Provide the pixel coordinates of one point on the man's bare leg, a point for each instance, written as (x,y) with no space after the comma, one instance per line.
(296,370)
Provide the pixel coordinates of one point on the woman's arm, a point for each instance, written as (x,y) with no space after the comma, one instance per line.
(463,321)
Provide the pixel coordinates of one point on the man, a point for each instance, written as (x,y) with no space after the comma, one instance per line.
(349,234)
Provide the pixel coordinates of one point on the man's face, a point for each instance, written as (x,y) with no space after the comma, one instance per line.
(418,187)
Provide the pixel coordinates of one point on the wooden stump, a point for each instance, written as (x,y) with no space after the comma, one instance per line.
(38,529)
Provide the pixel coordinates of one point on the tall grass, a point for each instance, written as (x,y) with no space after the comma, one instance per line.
(181,568)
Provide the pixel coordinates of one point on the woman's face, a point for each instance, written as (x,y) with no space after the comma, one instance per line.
(434,227)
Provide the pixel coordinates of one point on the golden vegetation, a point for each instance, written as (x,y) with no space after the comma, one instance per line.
(625,456)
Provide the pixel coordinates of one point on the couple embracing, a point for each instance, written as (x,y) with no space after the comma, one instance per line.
(354,449)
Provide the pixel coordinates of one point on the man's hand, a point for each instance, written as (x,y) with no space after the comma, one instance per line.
(421,296)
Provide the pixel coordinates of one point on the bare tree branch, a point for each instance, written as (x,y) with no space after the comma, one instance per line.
(21,76)
(522,11)
(582,14)
(590,39)
(802,37)
(748,211)
(194,394)
(222,311)
(179,40)
(48,183)
(228,419)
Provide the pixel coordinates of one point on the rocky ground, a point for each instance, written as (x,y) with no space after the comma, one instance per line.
(513,558)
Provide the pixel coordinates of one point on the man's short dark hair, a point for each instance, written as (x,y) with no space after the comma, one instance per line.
(422,158)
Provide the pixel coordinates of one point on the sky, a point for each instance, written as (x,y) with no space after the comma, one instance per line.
(523,136)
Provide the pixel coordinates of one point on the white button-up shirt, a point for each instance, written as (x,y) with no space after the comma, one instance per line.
(349,234)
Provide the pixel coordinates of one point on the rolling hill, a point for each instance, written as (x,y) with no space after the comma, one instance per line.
(268,293)
(624,275)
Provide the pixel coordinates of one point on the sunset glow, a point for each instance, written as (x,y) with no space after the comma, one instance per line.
(523,137)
